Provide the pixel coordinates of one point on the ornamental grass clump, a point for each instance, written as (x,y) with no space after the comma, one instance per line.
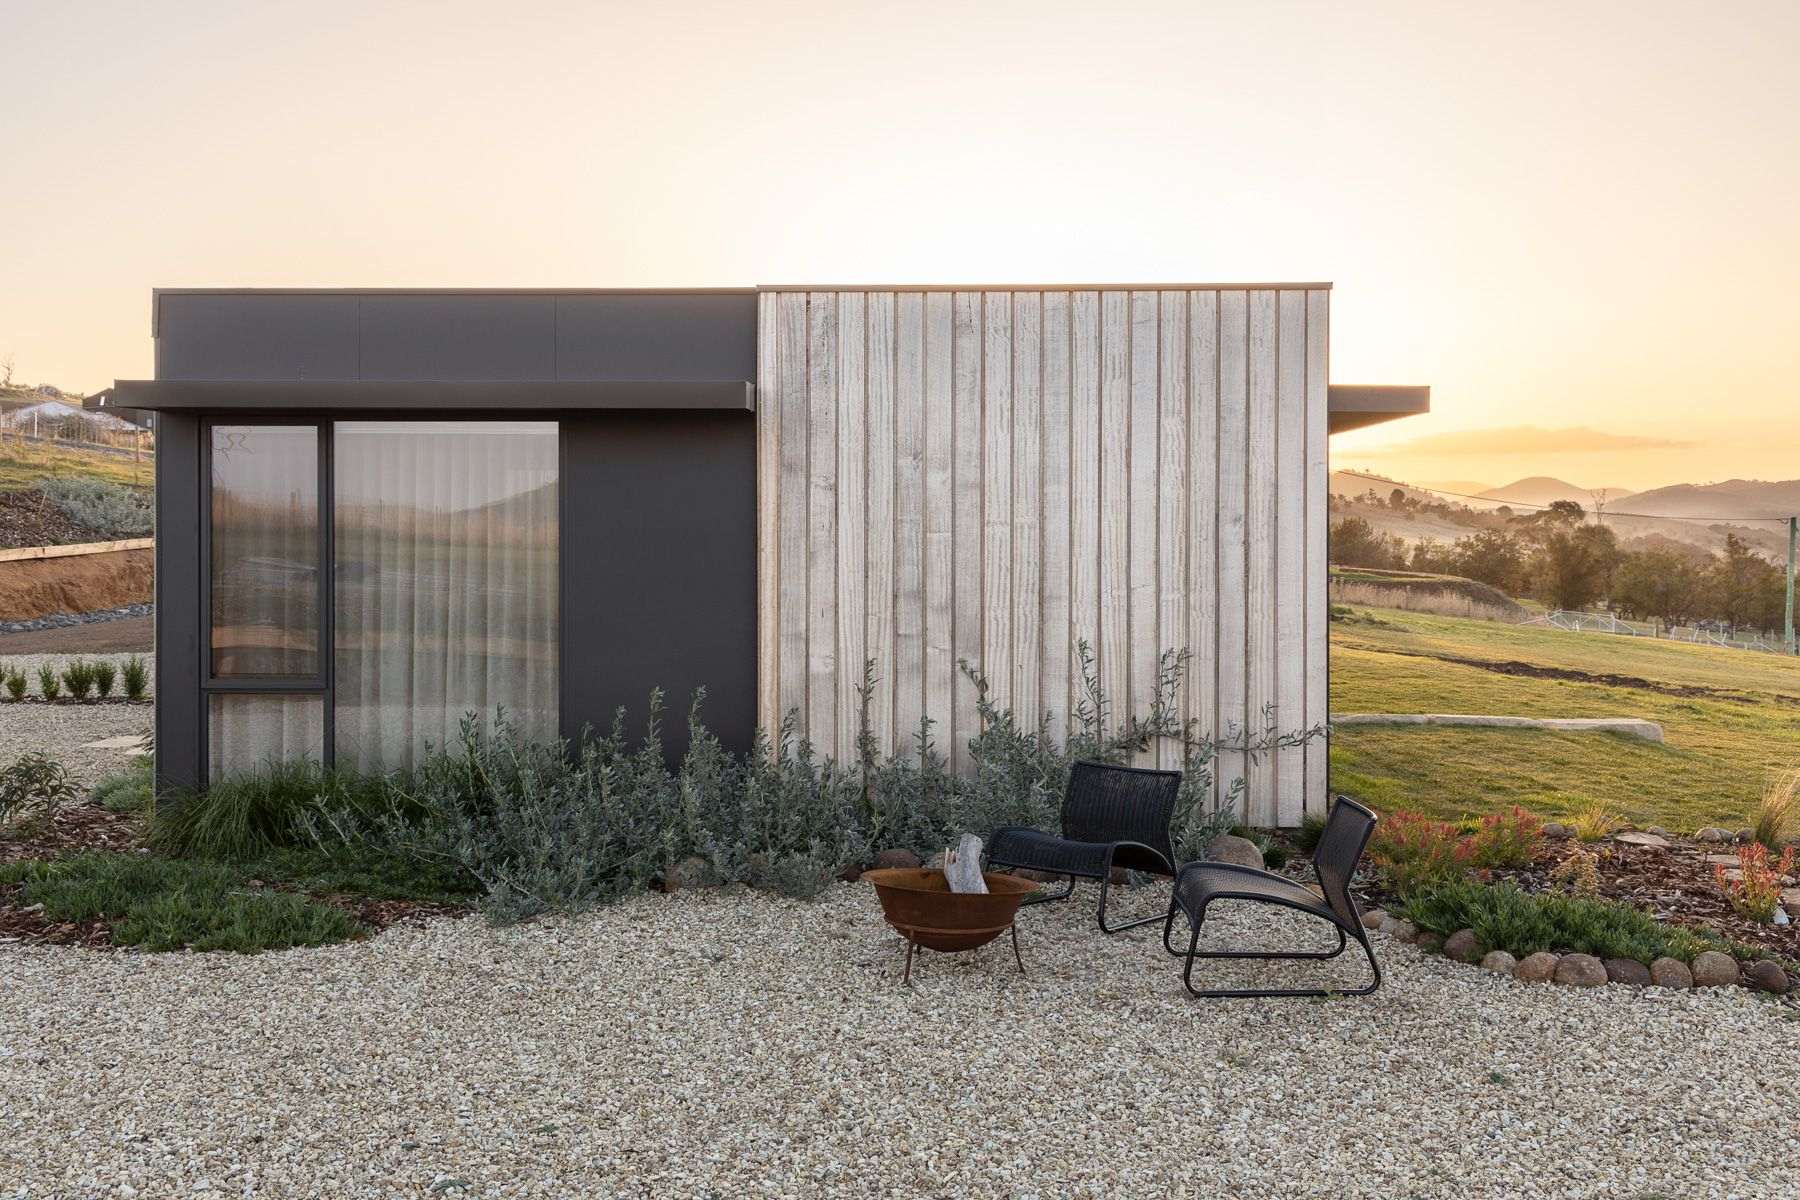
(1775,821)
(1757,889)
(1595,821)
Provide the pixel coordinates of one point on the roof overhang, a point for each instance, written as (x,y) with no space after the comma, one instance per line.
(1353,406)
(175,395)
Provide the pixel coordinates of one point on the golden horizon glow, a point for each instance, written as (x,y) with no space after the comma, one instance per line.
(1574,220)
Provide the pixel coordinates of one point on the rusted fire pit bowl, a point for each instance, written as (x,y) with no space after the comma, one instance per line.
(920,905)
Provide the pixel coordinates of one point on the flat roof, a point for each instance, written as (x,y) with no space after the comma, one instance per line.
(382,395)
(1356,405)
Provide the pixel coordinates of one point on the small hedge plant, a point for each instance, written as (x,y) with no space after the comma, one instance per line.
(1520,923)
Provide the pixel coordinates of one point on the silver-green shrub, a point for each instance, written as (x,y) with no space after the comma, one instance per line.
(108,508)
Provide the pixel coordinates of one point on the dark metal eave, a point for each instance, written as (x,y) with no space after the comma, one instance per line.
(399,396)
(1354,406)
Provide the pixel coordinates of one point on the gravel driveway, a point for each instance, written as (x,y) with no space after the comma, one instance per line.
(732,1044)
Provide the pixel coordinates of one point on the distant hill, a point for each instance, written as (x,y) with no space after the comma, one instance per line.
(1460,487)
(1733,498)
(1545,489)
(1351,484)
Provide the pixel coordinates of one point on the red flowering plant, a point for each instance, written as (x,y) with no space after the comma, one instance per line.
(1505,839)
(1757,889)
(1413,852)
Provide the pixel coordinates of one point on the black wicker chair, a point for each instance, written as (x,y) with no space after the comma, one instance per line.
(1111,817)
(1340,849)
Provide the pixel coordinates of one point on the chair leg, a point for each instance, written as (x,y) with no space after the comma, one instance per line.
(1014,930)
(1105,884)
(1194,953)
(1042,897)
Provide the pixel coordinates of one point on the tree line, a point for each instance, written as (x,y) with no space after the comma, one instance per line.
(1557,556)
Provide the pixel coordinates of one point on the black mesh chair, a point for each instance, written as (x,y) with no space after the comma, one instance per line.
(1340,849)
(1111,817)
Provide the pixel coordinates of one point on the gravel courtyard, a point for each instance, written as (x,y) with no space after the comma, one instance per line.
(732,1044)
(64,731)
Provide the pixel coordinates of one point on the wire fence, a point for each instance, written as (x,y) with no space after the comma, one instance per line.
(1704,634)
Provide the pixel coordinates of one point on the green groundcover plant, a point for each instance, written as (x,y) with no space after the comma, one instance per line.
(1520,923)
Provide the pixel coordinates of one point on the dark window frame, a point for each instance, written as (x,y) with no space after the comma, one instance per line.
(324,683)
(321,682)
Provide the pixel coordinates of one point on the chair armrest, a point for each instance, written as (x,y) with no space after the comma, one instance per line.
(1232,868)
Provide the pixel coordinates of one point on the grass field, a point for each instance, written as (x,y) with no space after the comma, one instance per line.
(1730,717)
(23,463)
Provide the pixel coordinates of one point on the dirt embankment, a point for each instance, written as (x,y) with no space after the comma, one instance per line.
(76,584)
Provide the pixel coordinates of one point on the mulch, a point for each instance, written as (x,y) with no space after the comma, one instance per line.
(81,827)
(27,519)
(1675,885)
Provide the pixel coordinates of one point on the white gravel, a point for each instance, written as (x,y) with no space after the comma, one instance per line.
(63,730)
(732,1044)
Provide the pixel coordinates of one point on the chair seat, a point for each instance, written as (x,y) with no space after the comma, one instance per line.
(1203,882)
(1022,846)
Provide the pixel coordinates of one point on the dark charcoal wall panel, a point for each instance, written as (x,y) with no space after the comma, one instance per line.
(256,336)
(459,337)
(179,704)
(656,336)
(659,570)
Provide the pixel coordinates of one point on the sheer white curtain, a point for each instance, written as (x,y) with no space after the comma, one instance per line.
(446,583)
(250,731)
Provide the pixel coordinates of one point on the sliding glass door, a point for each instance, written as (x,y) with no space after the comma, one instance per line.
(363,629)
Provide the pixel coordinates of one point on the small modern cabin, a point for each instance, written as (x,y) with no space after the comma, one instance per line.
(380,510)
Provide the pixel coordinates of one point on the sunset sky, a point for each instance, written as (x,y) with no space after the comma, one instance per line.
(1580,223)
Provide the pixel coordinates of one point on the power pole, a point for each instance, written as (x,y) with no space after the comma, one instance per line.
(1793,536)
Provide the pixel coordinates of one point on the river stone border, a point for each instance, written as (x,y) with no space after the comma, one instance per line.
(1710,968)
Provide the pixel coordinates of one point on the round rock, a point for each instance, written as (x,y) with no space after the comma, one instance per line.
(1766,976)
(1580,970)
(896,858)
(1429,942)
(1671,973)
(1712,833)
(1373,918)
(1536,968)
(1500,962)
(1556,829)
(1463,946)
(1229,848)
(1713,968)
(1399,929)
(1627,970)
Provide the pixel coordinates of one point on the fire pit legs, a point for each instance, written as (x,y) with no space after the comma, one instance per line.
(906,976)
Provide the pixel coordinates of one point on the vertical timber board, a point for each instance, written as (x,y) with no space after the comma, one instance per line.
(1084,486)
(1172,541)
(1054,702)
(1203,512)
(1290,553)
(940,472)
(995,654)
(1234,440)
(907,670)
(883,461)
(821,574)
(852,515)
(768,509)
(791,497)
(1260,552)
(1022,693)
(966,505)
(1115,501)
(1318,683)
(1141,486)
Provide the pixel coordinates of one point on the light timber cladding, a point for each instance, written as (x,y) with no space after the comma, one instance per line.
(1000,475)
